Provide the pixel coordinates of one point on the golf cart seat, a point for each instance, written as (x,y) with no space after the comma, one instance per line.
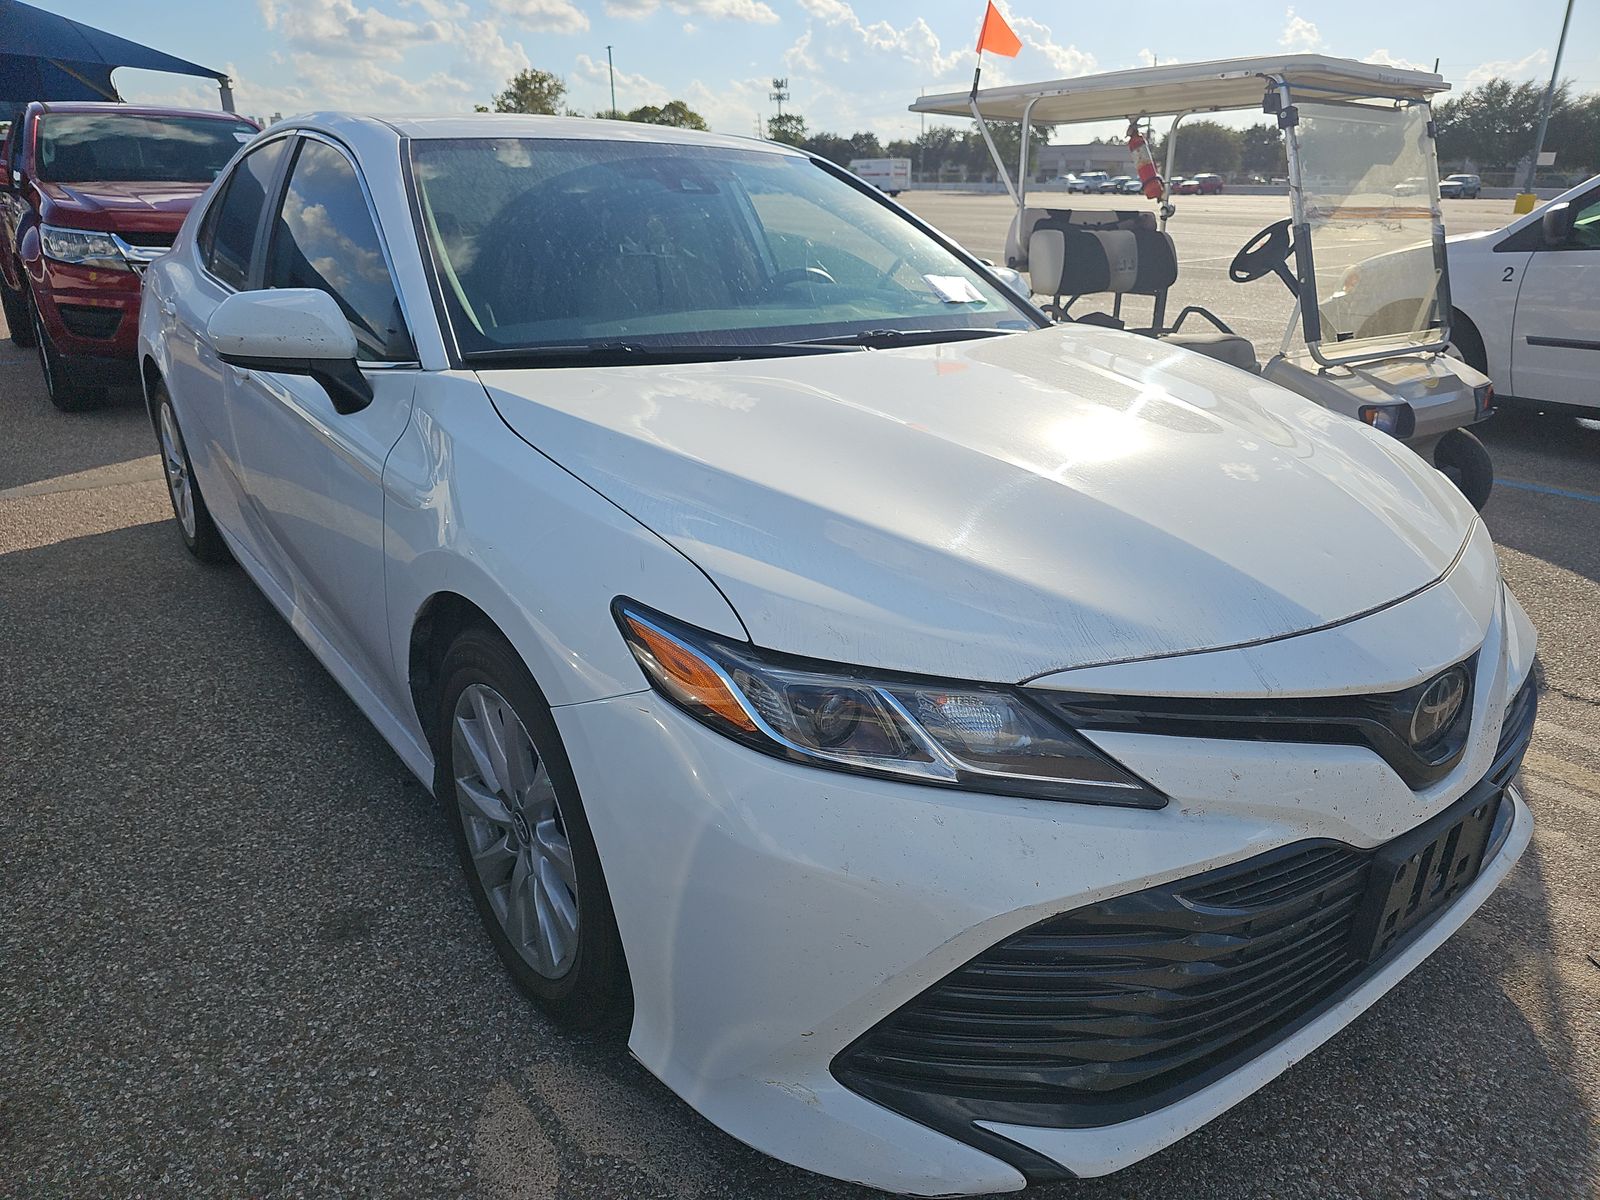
(1122,254)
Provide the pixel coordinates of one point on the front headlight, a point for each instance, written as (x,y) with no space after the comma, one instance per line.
(976,737)
(82,248)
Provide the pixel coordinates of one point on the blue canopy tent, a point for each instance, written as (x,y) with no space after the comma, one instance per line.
(48,57)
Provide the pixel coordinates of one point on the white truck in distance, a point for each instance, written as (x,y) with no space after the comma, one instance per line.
(889,175)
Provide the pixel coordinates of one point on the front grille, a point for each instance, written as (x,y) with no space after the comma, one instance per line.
(153,240)
(1122,1007)
(88,320)
(1092,1016)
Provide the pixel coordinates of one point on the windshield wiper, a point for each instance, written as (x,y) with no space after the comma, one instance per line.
(592,354)
(880,339)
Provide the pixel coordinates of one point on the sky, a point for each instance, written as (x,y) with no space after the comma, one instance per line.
(851,64)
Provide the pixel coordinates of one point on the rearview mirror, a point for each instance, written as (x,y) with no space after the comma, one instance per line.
(1557,225)
(292,331)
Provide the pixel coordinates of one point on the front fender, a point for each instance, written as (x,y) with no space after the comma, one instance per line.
(472,509)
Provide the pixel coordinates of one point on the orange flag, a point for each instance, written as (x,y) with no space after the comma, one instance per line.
(996,35)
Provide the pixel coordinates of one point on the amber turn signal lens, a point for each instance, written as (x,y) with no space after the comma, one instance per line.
(688,676)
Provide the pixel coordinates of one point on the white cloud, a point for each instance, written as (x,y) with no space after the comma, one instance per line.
(1509,68)
(440,10)
(632,90)
(1300,35)
(364,84)
(488,53)
(754,12)
(1066,60)
(342,27)
(545,16)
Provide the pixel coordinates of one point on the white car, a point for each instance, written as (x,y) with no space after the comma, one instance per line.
(968,750)
(1527,301)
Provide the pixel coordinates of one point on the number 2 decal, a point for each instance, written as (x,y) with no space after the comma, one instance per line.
(1509,275)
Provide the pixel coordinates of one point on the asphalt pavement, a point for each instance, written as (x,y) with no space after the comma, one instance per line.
(237,958)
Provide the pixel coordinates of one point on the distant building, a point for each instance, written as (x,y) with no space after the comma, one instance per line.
(1052,162)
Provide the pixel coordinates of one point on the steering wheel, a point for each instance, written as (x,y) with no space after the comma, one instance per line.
(802,275)
(1265,254)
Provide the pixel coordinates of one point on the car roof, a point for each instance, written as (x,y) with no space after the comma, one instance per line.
(518,125)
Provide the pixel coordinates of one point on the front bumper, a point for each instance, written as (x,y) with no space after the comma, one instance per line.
(92,317)
(774,914)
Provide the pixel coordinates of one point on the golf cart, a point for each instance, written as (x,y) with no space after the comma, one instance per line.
(1363,182)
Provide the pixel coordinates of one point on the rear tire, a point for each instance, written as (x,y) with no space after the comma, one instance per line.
(523,837)
(18,321)
(1465,462)
(193,518)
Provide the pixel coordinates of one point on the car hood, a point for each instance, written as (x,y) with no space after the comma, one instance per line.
(1003,508)
(121,206)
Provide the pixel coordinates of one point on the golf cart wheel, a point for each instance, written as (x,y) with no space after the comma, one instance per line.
(1465,462)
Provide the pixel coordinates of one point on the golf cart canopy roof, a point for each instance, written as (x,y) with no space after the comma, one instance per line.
(1229,83)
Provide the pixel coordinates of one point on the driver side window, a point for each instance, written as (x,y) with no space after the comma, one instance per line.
(1586,225)
(323,237)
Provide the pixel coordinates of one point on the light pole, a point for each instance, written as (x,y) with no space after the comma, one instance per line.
(1549,97)
(612,71)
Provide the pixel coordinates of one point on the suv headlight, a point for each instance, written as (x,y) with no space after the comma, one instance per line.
(82,248)
(977,737)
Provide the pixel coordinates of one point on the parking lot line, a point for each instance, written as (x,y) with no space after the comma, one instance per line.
(1545,489)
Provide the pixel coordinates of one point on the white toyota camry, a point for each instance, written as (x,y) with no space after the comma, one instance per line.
(960,749)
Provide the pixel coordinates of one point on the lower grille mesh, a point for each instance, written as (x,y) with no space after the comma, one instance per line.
(1100,1003)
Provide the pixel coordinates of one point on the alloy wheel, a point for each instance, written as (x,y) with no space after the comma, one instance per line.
(515,831)
(176,465)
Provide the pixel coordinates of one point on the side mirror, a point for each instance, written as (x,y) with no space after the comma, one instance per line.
(1015,280)
(292,331)
(1556,225)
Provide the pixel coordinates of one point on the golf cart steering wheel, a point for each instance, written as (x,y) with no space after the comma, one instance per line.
(1265,254)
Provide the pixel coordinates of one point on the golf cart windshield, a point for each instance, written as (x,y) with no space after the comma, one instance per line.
(1369,201)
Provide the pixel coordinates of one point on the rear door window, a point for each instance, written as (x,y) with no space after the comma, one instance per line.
(228,235)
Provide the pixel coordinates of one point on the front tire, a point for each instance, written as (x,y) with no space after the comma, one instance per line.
(199,531)
(18,320)
(522,835)
(1466,463)
(65,395)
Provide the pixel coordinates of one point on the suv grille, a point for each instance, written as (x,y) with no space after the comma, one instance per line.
(1121,1007)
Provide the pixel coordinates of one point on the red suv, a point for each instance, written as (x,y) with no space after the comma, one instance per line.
(89,195)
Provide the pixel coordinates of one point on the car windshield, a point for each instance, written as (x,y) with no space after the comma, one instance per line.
(128,148)
(544,243)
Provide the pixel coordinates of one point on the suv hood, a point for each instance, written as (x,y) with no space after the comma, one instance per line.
(142,207)
(1003,508)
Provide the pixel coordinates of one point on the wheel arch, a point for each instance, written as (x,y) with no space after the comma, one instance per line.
(442,618)
(1469,340)
(149,376)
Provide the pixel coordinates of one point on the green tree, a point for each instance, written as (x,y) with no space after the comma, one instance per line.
(674,112)
(1203,146)
(790,127)
(1261,151)
(532,91)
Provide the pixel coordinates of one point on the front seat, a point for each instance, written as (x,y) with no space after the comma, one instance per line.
(1224,347)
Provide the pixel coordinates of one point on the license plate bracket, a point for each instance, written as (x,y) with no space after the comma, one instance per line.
(1419,873)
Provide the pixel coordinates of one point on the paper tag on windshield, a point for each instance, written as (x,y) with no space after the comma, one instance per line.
(242,137)
(953,289)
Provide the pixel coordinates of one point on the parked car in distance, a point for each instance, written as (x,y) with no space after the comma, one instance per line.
(1184,187)
(90,194)
(1094,181)
(1071,182)
(1132,186)
(1416,185)
(794,679)
(1116,184)
(1209,185)
(1460,187)
(889,175)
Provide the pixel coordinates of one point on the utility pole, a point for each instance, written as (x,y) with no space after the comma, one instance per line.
(1549,97)
(779,92)
(612,71)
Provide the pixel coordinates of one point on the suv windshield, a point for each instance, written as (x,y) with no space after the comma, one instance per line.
(108,147)
(547,243)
